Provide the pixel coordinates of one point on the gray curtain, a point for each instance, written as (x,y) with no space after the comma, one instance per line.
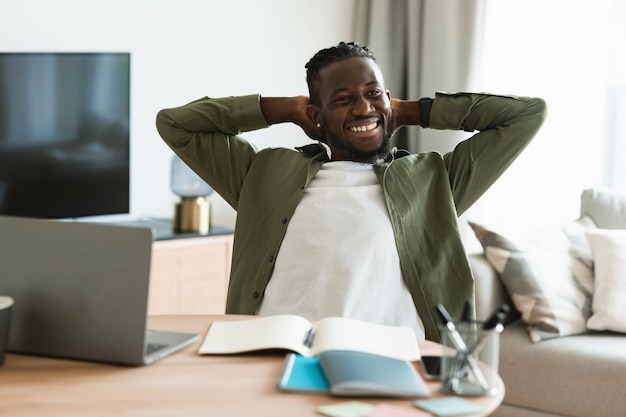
(423,46)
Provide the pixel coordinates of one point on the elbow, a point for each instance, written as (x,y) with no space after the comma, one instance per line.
(163,123)
(534,115)
(539,110)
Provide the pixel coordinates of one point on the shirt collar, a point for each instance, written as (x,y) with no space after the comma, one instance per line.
(315,151)
(318,151)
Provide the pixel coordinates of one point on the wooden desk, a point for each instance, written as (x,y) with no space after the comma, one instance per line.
(184,384)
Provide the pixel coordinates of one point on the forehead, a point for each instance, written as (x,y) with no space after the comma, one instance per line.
(349,73)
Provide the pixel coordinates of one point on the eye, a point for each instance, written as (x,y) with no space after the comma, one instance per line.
(374,93)
(343,99)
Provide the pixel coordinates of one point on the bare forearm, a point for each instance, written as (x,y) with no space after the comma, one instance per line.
(406,113)
(290,109)
(284,109)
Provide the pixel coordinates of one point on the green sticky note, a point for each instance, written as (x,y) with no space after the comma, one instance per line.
(347,409)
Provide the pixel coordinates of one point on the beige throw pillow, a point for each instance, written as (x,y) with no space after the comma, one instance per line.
(547,273)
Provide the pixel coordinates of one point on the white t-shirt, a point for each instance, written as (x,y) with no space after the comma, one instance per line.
(339,256)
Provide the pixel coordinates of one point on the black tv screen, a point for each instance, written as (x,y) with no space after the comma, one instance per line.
(64,134)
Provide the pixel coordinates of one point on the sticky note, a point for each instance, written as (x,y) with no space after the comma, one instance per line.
(347,409)
(448,406)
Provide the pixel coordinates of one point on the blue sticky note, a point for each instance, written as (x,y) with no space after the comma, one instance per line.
(448,406)
(301,373)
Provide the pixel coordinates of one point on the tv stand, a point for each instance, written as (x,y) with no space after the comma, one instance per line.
(163,230)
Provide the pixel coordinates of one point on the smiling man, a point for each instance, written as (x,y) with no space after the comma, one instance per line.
(347,226)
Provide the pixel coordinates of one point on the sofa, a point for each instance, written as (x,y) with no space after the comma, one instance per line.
(563,352)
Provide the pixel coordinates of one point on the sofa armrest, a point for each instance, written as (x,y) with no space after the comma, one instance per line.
(490,293)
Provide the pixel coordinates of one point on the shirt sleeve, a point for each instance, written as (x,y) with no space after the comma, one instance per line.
(505,125)
(204,134)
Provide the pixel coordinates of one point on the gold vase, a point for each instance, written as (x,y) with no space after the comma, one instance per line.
(192,215)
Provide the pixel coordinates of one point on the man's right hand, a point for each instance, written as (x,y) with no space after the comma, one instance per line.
(291,109)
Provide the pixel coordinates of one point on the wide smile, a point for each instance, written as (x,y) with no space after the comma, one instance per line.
(365,127)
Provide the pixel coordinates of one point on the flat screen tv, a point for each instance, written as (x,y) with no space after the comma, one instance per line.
(64,134)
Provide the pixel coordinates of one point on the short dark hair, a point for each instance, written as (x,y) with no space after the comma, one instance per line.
(324,57)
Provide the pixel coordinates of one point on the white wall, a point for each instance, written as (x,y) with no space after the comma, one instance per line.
(182,50)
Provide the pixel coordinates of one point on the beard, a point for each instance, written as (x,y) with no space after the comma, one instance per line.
(354,154)
(370,157)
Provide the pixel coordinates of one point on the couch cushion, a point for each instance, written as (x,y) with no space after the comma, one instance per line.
(574,376)
(508,410)
(546,275)
(606,208)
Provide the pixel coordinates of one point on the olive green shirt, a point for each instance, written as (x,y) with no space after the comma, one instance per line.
(424,192)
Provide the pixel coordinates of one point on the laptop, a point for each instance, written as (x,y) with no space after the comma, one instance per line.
(80,291)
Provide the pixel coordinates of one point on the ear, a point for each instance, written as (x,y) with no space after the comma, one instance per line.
(314,113)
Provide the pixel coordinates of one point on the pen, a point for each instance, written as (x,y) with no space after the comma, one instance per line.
(308,339)
(455,336)
(497,318)
(495,322)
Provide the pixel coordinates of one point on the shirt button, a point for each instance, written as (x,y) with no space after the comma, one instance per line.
(284,220)
(255,295)
(271,258)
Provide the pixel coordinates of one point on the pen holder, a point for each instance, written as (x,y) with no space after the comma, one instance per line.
(472,371)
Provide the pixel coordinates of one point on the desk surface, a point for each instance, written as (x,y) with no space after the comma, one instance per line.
(184,384)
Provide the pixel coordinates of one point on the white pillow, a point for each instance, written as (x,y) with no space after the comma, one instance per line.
(608,248)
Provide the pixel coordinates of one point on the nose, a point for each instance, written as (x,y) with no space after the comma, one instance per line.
(362,106)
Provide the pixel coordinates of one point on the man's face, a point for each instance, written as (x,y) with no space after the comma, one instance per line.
(355,110)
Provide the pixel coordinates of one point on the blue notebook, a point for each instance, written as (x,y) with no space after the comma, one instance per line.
(351,373)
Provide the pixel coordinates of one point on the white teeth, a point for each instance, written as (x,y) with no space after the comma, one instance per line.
(371,126)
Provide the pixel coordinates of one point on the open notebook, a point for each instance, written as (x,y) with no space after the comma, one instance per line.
(81,291)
